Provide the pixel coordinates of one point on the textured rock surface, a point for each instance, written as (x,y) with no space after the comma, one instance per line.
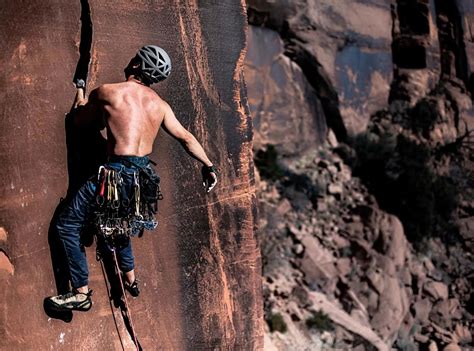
(200,270)
(367,240)
(466,9)
(286,110)
(358,54)
(346,56)
(345,257)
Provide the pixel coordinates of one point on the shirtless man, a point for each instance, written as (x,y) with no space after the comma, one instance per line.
(132,114)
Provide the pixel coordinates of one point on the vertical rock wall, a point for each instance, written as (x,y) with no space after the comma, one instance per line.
(287,112)
(342,47)
(359,55)
(416,50)
(200,270)
(466,9)
(376,286)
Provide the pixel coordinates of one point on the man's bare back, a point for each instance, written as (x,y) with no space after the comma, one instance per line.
(133,114)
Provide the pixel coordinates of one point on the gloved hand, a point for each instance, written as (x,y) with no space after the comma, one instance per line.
(209,177)
(80,99)
(80,84)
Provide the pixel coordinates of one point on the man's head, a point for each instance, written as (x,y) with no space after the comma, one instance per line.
(151,65)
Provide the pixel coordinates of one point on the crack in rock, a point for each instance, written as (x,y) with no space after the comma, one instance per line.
(82,68)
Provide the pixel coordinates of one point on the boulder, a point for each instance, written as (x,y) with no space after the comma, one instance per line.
(432,346)
(421,310)
(392,240)
(393,306)
(466,230)
(318,264)
(463,334)
(437,290)
(335,189)
(344,266)
(445,311)
(452,347)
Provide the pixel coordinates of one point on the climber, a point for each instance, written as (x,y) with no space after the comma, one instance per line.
(132,113)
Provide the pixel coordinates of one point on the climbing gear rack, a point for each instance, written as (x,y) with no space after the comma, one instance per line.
(126,208)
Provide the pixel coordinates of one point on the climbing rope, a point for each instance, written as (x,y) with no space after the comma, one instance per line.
(129,313)
(102,266)
(122,213)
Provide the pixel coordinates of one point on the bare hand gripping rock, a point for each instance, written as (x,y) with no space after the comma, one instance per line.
(122,199)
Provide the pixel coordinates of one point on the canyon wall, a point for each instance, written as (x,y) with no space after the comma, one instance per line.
(344,50)
(200,270)
(363,145)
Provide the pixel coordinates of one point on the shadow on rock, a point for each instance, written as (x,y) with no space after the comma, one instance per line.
(85,152)
(65,316)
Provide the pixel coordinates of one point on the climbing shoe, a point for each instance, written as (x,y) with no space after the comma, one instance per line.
(133,288)
(72,301)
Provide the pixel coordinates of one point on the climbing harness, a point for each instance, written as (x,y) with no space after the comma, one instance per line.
(124,211)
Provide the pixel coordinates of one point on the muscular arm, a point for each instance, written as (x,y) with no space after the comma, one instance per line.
(87,111)
(187,140)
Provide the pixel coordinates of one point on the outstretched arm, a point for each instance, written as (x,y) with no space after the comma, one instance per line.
(191,145)
(86,111)
(186,138)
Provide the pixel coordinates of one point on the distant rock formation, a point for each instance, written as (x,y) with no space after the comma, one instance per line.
(366,237)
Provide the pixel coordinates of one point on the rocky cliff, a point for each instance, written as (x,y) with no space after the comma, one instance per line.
(200,270)
(366,226)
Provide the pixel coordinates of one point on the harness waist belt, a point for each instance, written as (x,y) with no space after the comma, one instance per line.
(137,161)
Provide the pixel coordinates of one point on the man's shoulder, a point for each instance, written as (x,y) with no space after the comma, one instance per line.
(108,87)
(159,99)
(107,91)
(100,90)
(156,99)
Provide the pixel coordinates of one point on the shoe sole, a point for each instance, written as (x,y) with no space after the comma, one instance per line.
(132,292)
(60,308)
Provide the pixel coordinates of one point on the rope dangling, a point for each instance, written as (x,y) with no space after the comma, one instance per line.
(129,313)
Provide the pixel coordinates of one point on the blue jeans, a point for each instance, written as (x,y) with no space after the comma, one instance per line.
(78,212)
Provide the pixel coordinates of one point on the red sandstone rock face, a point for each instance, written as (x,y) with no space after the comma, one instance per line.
(200,270)
(343,46)
(349,51)
(286,111)
(327,245)
(466,9)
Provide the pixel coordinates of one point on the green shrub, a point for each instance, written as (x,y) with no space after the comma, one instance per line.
(266,162)
(319,321)
(423,117)
(276,323)
(400,174)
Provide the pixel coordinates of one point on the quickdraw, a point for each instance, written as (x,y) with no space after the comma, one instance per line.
(136,186)
(122,211)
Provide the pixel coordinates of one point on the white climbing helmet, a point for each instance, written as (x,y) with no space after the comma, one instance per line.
(155,63)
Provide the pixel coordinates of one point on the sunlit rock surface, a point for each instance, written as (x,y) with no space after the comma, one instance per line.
(286,111)
(344,48)
(361,248)
(200,270)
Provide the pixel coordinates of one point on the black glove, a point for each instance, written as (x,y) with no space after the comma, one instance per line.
(209,177)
